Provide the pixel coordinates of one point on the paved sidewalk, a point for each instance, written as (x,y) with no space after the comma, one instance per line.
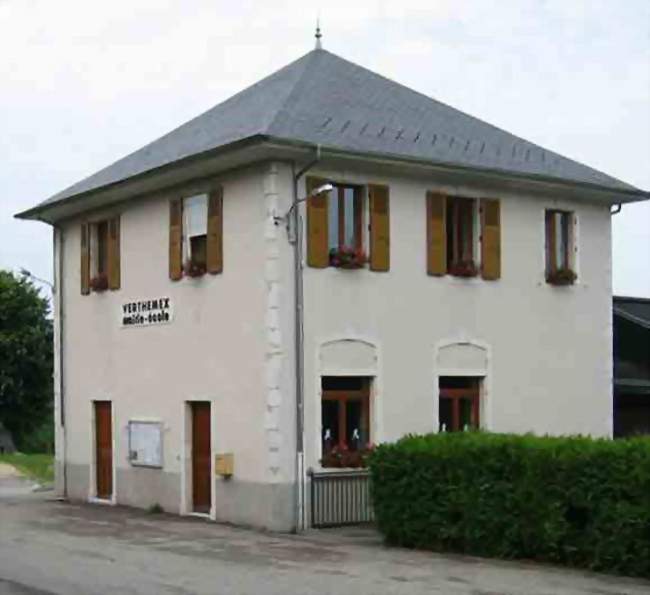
(49,547)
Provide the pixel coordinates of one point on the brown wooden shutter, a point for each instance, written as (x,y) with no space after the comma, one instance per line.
(317,226)
(114,253)
(85,258)
(215,231)
(175,239)
(490,239)
(379,227)
(436,233)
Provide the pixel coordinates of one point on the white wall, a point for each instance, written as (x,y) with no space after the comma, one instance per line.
(217,347)
(547,349)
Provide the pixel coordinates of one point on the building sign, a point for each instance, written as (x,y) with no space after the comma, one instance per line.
(146,312)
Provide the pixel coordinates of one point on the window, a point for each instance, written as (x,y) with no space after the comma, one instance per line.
(559,247)
(455,232)
(100,255)
(461,257)
(99,248)
(344,218)
(195,234)
(458,404)
(345,419)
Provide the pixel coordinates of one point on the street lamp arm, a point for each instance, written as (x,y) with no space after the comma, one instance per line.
(29,275)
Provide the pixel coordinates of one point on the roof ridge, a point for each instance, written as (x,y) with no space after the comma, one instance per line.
(308,57)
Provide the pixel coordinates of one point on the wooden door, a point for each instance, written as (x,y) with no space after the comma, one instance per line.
(104,449)
(201,457)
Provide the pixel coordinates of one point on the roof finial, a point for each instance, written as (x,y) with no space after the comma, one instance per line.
(319,45)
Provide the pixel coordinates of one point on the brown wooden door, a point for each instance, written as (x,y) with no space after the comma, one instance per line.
(104,449)
(201,457)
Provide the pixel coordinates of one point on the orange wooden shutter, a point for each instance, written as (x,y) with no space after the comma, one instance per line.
(436,233)
(317,226)
(490,239)
(175,239)
(114,253)
(85,258)
(215,231)
(379,227)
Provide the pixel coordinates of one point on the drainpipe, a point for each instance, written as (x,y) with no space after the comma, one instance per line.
(296,240)
(58,349)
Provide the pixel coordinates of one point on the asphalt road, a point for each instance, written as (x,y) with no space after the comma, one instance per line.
(49,547)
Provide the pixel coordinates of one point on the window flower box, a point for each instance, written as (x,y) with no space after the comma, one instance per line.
(193,269)
(561,277)
(347,258)
(342,457)
(99,282)
(463,268)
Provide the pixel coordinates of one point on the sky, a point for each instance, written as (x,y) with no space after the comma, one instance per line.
(83,83)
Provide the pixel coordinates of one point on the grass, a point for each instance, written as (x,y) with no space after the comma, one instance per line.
(38,467)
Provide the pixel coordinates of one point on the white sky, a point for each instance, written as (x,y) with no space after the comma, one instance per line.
(85,82)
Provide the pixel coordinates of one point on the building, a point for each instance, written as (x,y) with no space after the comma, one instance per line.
(324,261)
(631,366)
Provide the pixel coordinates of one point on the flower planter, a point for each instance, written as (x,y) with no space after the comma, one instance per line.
(192,269)
(338,458)
(346,258)
(463,269)
(561,277)
(99,282)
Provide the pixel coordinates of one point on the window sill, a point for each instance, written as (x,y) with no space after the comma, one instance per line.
(193,270)
(466,270)
(562,278)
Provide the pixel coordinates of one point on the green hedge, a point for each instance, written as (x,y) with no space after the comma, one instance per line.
(574,501)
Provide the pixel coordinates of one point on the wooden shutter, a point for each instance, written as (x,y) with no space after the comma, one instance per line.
(436,233)
(379,227)
(85,258)
(175,239)
(317,226)
(490,239)
(215,231)
(114,253)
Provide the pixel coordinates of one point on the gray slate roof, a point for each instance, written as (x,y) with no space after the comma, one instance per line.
(322,98)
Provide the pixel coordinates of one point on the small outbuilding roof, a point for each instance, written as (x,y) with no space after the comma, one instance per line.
(634,309)
(326,100)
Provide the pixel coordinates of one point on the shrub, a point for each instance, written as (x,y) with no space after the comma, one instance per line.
(575,501)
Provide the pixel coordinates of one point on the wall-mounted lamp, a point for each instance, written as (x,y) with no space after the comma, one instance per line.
(286,217)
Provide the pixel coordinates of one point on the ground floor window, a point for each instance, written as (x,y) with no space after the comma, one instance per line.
(458,405)
(345,419)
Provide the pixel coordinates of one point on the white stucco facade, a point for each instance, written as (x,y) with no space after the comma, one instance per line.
(543,352)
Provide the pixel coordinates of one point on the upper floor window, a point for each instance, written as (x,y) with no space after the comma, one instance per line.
(461,253)
(100,255)
(336,226)
(463,233)
(344,229)
(560,247)
(196,234)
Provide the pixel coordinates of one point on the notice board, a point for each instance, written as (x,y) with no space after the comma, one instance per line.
(145,443)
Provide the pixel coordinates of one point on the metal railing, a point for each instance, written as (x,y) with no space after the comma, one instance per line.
(339,498)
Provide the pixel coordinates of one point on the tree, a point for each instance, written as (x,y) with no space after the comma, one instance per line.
(26,361)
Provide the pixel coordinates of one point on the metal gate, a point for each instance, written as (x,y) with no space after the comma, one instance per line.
(340,498)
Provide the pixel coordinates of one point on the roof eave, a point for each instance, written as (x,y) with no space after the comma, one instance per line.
(608,194)
(45,211)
